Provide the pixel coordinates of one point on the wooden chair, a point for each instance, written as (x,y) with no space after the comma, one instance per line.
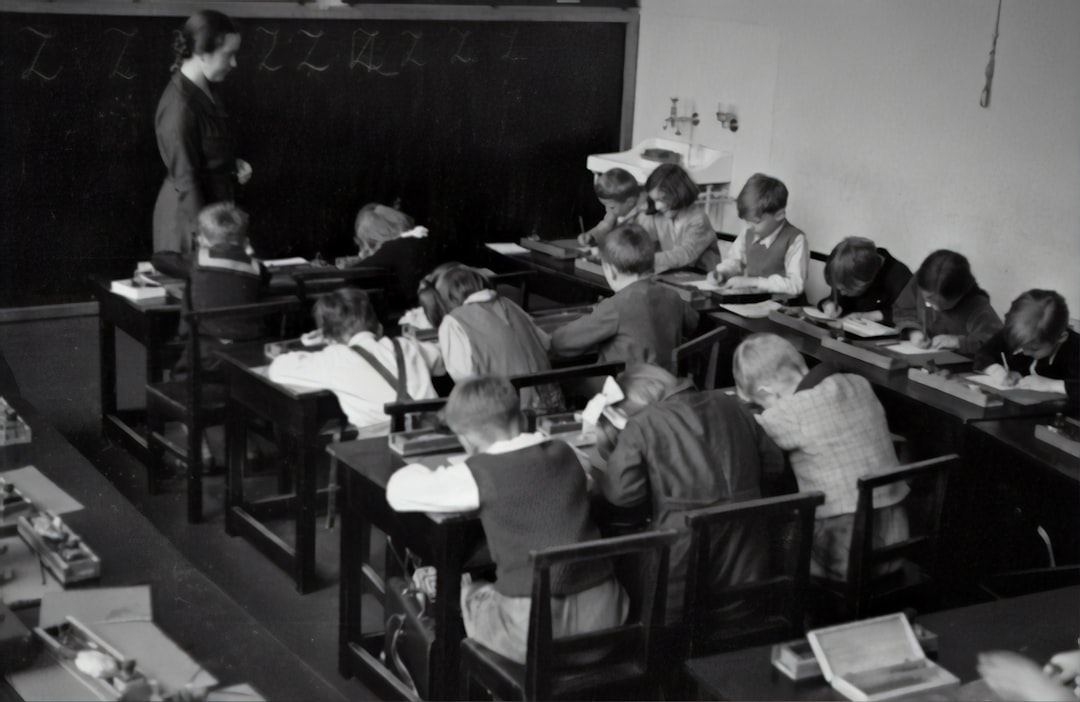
(699,358)
(399,411)
(623,659)
(197,401)
(866,590)
(772,606)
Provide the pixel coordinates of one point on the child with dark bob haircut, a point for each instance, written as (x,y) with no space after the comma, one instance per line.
(1035,349)
(771,255)
(624,202)
(866,281)
(642,321)
(531,494)
(680,227)
(951,310)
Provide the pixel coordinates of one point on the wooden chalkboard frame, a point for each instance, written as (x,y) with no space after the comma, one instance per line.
(628,17)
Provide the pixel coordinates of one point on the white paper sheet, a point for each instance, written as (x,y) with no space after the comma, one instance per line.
(753,310)
(507,248)
(106,604)
(284,262)
(867,328)
(816,314)
(157,655)
(908,349)
(44,493)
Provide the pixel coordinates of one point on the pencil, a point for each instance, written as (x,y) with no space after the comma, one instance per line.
(581,223)
(1004,362)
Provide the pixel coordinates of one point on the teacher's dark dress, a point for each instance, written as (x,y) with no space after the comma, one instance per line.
(200,159)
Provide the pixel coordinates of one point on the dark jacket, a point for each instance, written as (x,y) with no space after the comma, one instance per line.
(888,290)
(1062,365)
(972,319)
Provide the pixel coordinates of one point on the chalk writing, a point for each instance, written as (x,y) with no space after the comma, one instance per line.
(510,55)
(118,69)
(413,50)
(365,56)
(460,56)
(33,69)
(315,36)
(264,65)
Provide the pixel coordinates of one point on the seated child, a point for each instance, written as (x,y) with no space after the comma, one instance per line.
(530,491)
(642,321)
(221,273)
(951,310)
(388,238)
(772,254)
(623,199)
(482,333)
(1035,349)
(866,281)
(682,449)
(359,365)
(835,431)
(680,226)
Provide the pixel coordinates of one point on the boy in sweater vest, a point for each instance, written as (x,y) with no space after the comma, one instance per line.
(642,321)
(771,255)
(531,494)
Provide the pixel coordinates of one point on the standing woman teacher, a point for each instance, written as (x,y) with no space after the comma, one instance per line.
(193,131)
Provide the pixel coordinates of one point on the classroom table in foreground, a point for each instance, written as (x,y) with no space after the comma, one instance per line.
(442,540)
(1036,626)
(200,617)
(296,416)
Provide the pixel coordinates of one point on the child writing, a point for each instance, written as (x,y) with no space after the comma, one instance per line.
(680,227)
(679,449)
(771,255)
(835,431)
(1035,349)
(483,333)
(951,310)
(221,273)
(866,281)
(363,368)
(388,238)
(642,321)
(623,199)
(530,491)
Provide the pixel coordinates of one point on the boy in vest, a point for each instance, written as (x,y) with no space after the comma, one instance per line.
(642,321)
(771,255)
(531,494)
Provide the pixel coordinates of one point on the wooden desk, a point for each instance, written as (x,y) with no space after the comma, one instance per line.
(1035,625)
(556,279)
(191,609)
(442,540)
(296,415)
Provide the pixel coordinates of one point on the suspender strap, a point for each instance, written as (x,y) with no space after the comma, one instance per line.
(400,383)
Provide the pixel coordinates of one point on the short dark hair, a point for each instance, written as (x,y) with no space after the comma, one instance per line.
(482,405)
(675,183)
(762,195)
(946,274)
(1037,316)
(617,184)
(345,312)
(629,249)
(203,33)
(853,263)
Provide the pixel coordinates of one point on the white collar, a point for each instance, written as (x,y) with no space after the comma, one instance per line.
(768,241)
(486,295)
(365,336)
(521,441)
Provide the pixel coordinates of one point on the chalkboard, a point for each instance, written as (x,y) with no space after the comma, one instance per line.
(481,128)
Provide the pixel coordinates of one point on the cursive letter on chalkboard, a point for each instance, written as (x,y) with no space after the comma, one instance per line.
(414,48)
(366,55)
(458,56)
(305,63)
(128,36)
(33,69)
(510,55)
(273,34)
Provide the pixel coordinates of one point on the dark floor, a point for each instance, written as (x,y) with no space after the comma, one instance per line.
(56,365)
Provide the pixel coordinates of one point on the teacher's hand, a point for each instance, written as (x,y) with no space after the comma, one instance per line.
(243,171)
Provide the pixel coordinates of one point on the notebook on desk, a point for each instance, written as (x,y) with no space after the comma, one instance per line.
(877,659)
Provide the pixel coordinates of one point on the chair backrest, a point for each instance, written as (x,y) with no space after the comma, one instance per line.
(699,358)
(310,283)
(515,279)
(398,411)
(758,611)
(926,482)
(611,653)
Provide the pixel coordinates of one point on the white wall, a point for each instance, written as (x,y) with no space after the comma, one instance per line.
(875,121)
